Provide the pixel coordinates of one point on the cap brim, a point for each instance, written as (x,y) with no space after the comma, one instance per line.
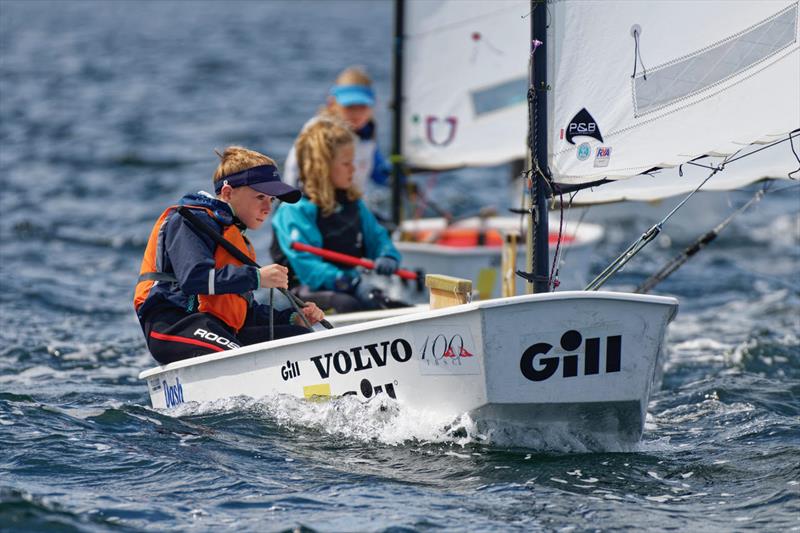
(278,189)
(354,96)
(348,100)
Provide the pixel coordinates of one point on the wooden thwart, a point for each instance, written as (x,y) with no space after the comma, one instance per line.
(447,290)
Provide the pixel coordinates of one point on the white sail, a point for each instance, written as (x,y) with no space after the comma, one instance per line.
(757,163)
(465,82)
(720,75)
(710,77)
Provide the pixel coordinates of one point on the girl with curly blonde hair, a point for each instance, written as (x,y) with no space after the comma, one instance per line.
(331,215)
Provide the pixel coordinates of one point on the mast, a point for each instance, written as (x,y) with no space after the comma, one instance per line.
(397,113)
(538,267)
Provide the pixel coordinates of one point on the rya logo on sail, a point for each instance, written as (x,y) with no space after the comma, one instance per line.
(582,125)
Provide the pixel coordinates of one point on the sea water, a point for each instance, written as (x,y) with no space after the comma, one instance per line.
(109,111)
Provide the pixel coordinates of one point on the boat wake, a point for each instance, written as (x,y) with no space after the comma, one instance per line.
(386,421)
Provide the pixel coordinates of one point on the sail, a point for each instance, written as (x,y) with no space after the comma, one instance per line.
(637,85)
(711,77)
(465,82)
(752,164)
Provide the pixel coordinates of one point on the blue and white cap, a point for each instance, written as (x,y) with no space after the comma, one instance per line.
(347,95)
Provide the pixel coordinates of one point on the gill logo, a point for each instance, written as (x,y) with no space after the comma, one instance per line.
(536,368)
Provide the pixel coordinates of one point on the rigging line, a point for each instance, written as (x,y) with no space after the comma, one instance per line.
(529,13)
(578,224)
(733,158)
(553,281)
(791,136)
(645,239)
(791,143)
(522,210)
(669,215)
(271,312)
(635,31)
(709,167)
(700,243)
(721,166)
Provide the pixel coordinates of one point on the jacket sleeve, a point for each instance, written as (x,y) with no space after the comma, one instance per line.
(381,169)
(191,256)
(298,222)
(376,238)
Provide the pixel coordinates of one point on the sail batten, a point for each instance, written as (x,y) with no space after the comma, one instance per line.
(686,76)
(747,166)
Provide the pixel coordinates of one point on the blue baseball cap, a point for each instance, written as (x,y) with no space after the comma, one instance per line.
(264,179)
(347,95)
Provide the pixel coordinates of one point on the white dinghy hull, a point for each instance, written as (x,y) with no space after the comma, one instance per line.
(583,360)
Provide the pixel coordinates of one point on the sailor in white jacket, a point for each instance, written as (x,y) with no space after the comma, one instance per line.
(352,100)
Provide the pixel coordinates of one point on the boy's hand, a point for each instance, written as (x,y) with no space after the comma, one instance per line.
(312,313)
(274,276)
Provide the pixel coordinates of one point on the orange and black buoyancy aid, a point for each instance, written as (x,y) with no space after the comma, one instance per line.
(230,308)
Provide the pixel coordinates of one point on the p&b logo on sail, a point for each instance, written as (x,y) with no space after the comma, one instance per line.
(582,125)
(535,367)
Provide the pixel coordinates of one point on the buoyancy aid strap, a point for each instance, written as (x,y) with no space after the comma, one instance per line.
(238,254)
(216,237)
(157,276)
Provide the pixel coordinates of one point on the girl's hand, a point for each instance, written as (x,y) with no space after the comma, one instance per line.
(312,313)
(274,276)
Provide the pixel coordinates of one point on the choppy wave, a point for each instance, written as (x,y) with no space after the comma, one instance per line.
(385,421)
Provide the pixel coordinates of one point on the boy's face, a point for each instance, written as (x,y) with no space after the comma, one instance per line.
(251,206)
(342,167)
